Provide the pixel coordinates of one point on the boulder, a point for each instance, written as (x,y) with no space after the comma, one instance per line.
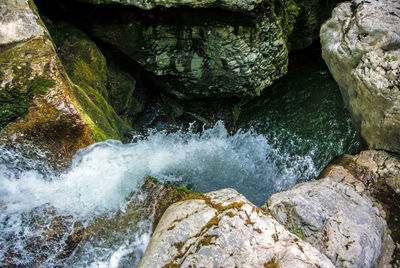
(223,229)
(87,68)
(361,46)
(338,215)
(36,104)
(202,53)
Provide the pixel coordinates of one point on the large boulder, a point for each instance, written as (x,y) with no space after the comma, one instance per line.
(361,46)
(223,229)
(337,214)
(202,53)
(36,104)
(87,68)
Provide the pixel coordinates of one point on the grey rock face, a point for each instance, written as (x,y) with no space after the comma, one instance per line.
(236,5)
(383,166)
(361,46)
(191,54)
(337,215)
(17,22)
(223,229)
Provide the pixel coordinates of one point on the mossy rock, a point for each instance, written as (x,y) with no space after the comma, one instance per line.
(87,68)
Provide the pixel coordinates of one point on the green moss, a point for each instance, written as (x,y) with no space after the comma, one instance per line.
(172,186)
(293,228)
(287,12)
(86,66)
(16,96)
(391,58)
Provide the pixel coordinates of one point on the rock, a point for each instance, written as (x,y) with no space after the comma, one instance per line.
(125,95)
(223,229)
(202,53)
(36,104)
(19,22)
(44,238)
(361,46)
(235,5)
(86,66)
(311,14)
(338,215)
(383,166)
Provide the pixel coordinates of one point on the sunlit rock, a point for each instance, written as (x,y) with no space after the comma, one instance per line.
(361,46)
(36,104)
(338,214)
(223,229)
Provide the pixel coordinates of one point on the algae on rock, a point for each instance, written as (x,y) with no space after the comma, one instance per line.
(36,103)
(87,68)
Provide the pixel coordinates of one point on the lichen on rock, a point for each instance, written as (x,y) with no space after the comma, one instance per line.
(236,5)
(223,229)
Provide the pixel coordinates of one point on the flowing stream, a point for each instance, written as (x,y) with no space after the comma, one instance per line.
(288,136)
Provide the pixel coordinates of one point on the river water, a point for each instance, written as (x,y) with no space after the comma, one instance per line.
(287,136)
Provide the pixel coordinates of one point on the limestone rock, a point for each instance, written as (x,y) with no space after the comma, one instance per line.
(361,46)
(223,229)
(196,54)
(19,22)
(383,166)
(236,5)
(337,215)
(36,106)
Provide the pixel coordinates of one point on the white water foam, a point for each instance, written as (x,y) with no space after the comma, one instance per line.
(104,175)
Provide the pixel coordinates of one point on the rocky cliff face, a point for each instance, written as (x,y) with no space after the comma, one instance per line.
(361,46)
(203,53)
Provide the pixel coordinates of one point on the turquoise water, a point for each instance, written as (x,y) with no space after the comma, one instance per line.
(303,115)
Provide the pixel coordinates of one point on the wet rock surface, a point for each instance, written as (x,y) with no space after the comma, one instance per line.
(338,214)
(193,54)
(36,102)
(361,46)
(223,229)
(87,68)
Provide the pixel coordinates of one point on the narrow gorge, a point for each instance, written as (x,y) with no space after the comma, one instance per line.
(168,133)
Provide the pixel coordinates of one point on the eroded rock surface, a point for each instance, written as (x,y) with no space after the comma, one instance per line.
(223,229)
(338,215)
(361,46)
(203,53)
